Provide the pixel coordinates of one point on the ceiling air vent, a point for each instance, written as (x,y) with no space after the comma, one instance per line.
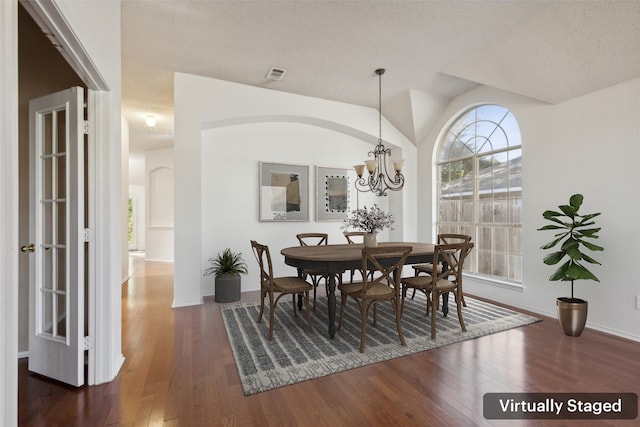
(276,73)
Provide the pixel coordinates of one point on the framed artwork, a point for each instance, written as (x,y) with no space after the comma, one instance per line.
(284,192)
(332,193)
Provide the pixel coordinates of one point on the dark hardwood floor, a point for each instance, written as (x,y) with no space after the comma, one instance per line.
(179,371)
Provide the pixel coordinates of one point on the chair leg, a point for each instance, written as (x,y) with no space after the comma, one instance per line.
(363,329)
(272,317)
(396,305)
(459,304)
(315,288)
(306,304)
(375,313)
(435,296)
(416,274)
(404,295)
(264,294)
(295,311)
(464,303)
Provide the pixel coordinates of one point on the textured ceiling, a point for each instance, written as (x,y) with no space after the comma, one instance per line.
(548,50)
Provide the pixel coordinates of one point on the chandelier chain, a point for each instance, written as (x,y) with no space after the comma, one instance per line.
(380,73)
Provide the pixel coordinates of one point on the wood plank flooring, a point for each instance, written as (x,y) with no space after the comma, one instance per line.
(179,371)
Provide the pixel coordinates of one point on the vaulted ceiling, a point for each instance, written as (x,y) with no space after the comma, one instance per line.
(547,50)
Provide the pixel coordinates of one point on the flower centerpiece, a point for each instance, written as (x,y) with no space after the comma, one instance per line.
(371,221)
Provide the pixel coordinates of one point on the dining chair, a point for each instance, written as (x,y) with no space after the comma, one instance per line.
(443,239)
(382,267)
(354,238)
(310,239)
(271,286)
(441,282)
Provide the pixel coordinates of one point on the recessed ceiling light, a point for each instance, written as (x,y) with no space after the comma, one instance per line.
(150,121)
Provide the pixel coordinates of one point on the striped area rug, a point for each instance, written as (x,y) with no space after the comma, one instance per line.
(295,355)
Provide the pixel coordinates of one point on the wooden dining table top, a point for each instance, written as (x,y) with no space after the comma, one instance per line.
(350,252)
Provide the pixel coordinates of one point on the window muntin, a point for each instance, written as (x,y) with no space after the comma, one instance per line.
(479,183)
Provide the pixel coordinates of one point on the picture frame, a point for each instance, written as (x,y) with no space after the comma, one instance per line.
(333,193)
(283,192)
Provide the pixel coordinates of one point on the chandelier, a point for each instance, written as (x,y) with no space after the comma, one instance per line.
(379,179)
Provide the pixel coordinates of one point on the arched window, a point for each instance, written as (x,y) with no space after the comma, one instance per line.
(479,189)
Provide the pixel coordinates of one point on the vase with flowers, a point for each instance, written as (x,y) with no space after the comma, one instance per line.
(370,220)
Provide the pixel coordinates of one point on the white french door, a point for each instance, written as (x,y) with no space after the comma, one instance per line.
(57,224)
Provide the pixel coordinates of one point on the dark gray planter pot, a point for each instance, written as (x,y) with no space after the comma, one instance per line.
(227,288)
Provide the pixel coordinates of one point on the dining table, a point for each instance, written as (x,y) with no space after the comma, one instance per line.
(336,259)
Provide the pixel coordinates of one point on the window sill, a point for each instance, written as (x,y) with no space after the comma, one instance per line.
(519,287)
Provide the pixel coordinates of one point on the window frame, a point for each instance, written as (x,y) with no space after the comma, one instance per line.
(510,229)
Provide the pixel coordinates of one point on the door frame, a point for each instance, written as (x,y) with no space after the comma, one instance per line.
(105,357)
(9,212)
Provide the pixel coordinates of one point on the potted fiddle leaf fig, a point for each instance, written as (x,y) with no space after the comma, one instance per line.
(574,232)
(227,267)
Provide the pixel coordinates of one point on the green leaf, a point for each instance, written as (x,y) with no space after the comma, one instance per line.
(552,243)
(576,201)
(560,273)
(553,258)
(578,272)
(558,221)
(574,252)
(589,259)
(583,223)
(551,227)
(589,216)
(590,232)
(551,214)
(592,246)
(569,211)
(570,243)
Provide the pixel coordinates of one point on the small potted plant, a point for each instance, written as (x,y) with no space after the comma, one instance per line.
(573,230)
(371,221)
(227,267)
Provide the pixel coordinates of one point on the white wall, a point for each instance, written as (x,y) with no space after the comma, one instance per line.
(588,145)
(202,103)
(230,185)
(124,196)
(159,172)
(136,169)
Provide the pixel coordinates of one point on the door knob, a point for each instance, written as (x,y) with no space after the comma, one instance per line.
(28,248)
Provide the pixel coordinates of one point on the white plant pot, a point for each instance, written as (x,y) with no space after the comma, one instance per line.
(370,240)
